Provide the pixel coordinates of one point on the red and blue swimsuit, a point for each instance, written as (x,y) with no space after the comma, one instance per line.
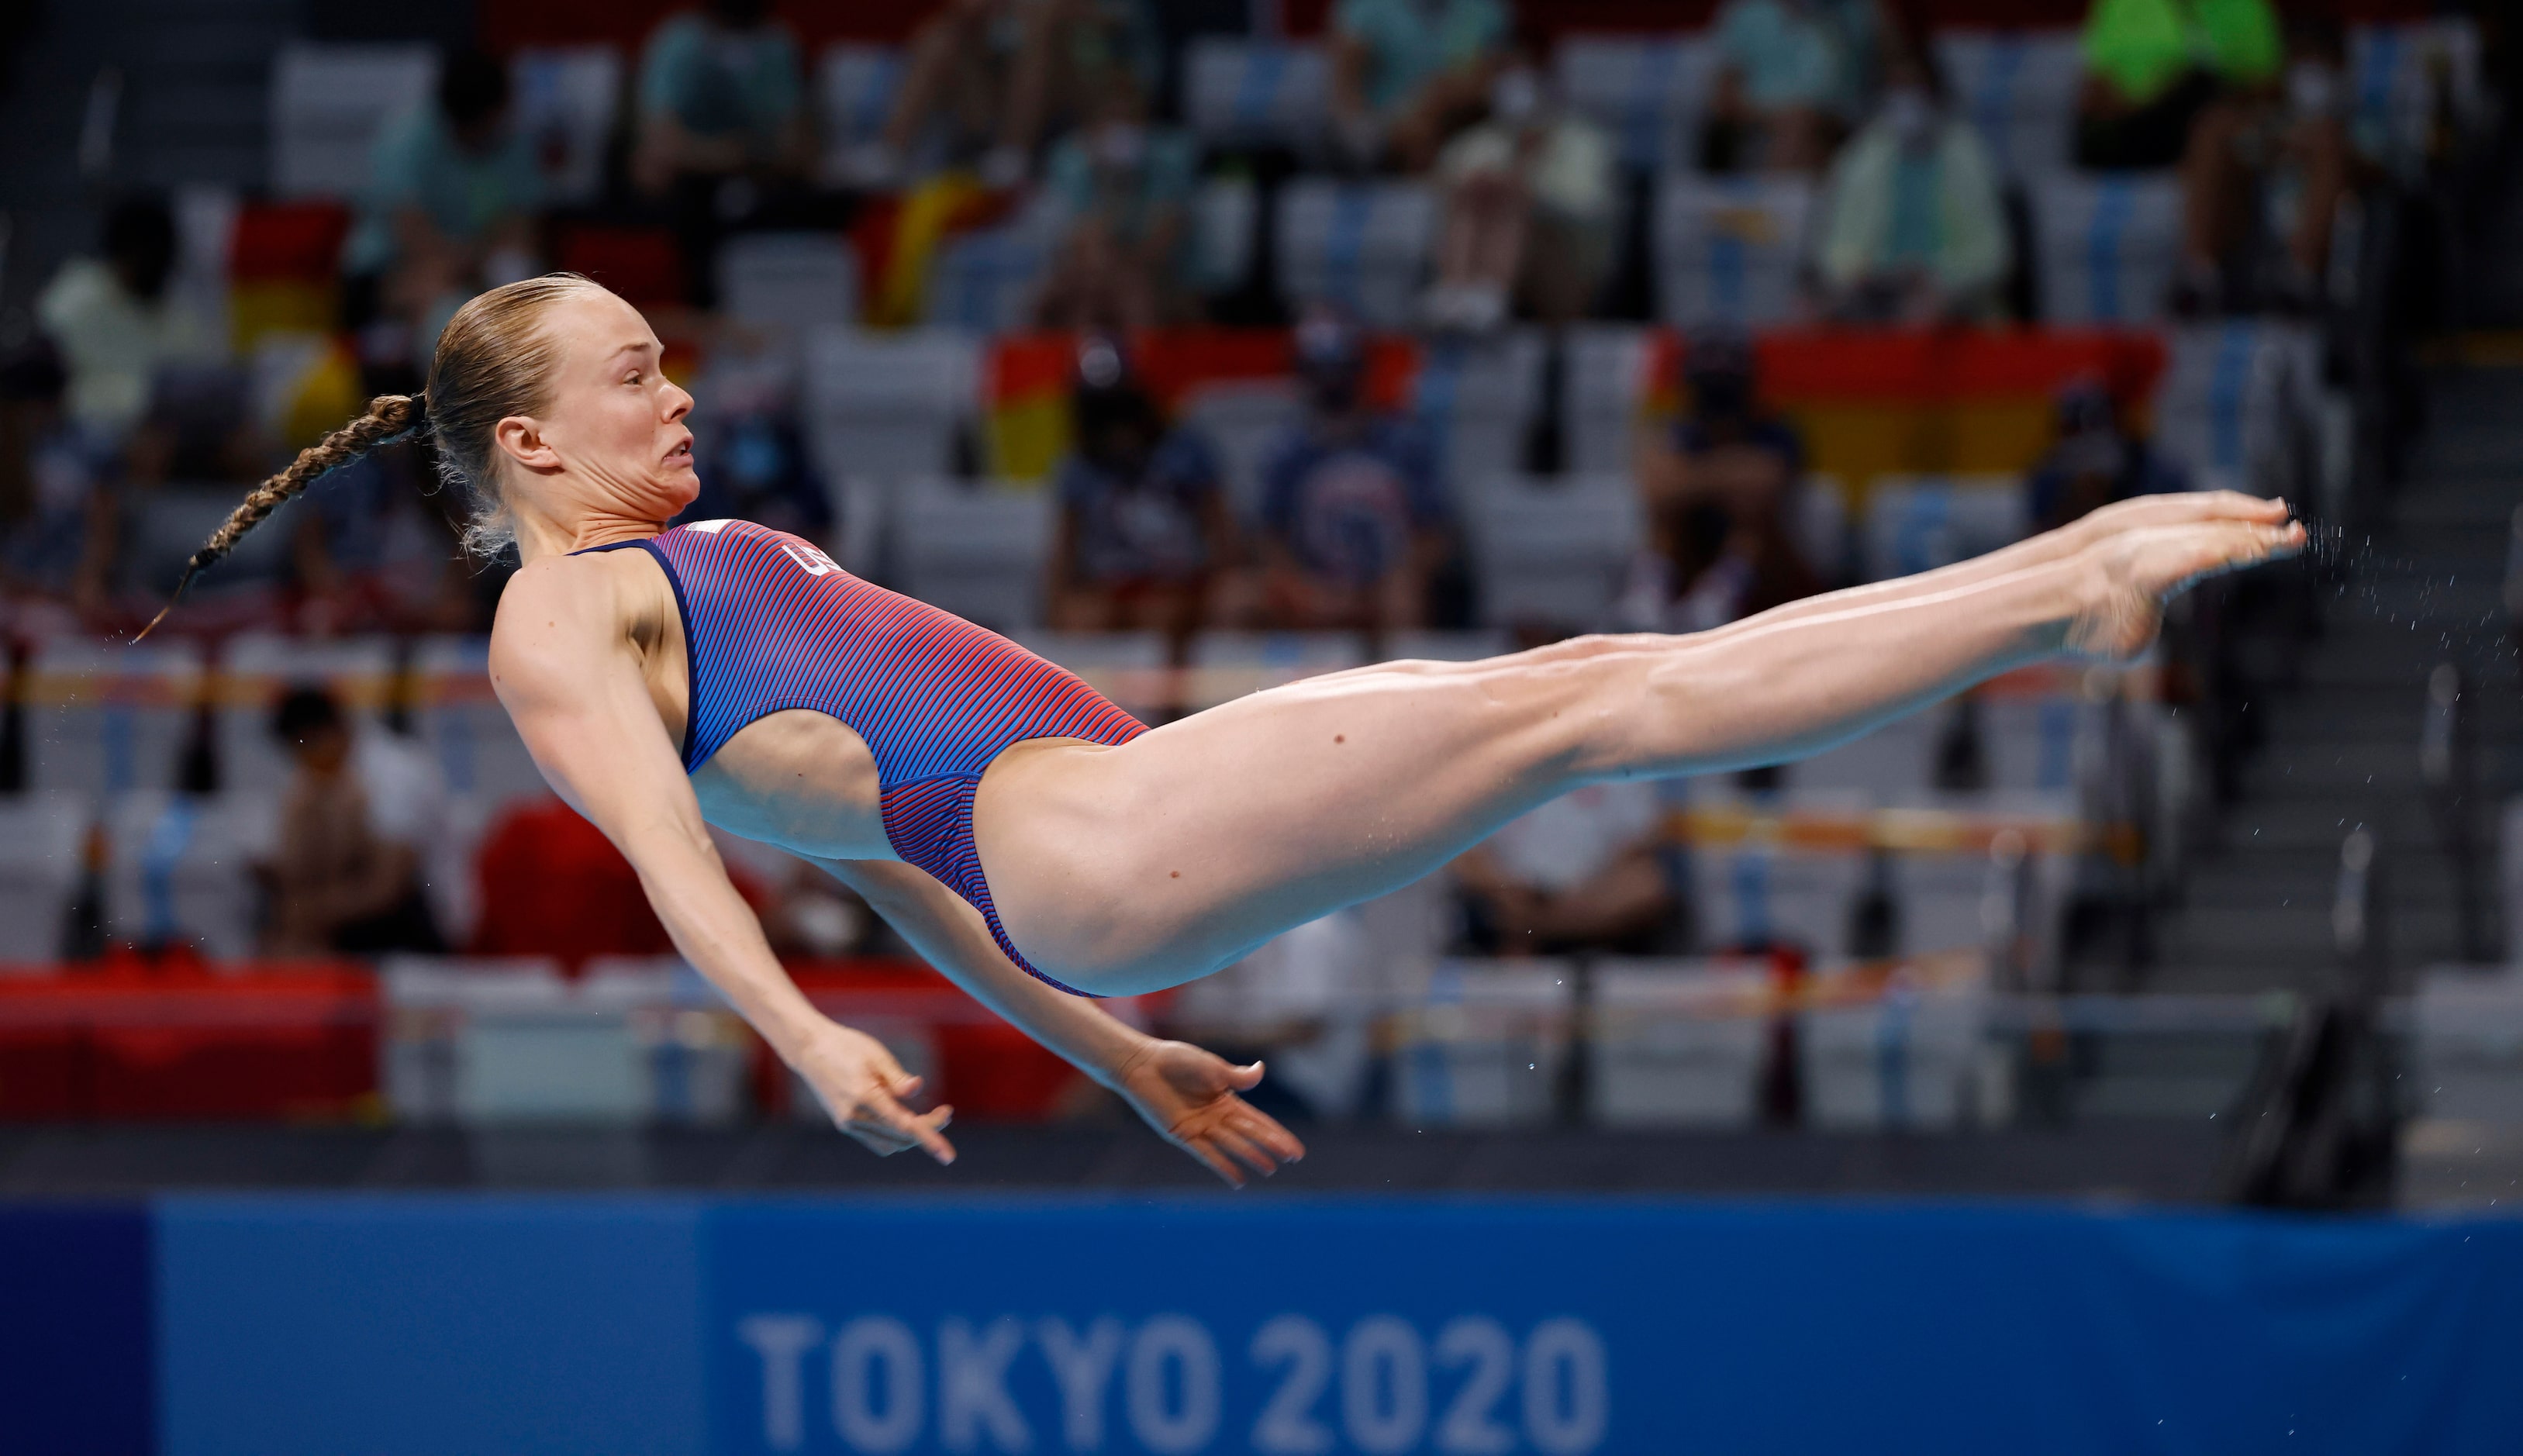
(770,623)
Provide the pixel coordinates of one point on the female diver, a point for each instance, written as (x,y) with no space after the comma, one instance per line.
(1026,837)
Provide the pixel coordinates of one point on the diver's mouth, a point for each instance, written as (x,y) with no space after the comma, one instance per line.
(680,455)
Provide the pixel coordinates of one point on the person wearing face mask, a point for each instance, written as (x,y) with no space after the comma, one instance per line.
(1354,520)
(1913,230)
(2094,461)
(1529,209)
(1143,531)
(1126,189)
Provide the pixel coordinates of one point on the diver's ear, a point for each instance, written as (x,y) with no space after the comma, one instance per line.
(520,438)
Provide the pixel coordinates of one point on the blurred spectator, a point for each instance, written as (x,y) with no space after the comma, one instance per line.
(357,822)
(722,96)
(988,79)
(1356,522)
(2095,461)
(55,523)
(1531,209)
(117,326)
(1792,76)
(1720,499)
(1581,873)
(450,210)
(2261,145)
(1408,73)
(552,884)
(1144,525)
(1126,189)
(750,454)
(1913,230)
(376,548)
(2153,65)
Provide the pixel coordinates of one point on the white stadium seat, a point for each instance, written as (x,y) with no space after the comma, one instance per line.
(1912,1059)
(180,870)
(1484,1047)
(329,102)
(854,86)
(105,719)
(975,550)
(1242,420)
(1915,523)
(1256,93)
(1749,894)
(43,835)
(1364,246)
(1551,551)
(1477,400)
(462,724)
(1647,92)
(1677,1043)
(1729,251)
(2238,403)
(986,281)
(788,283)
(2107,246)
(1603,391)
(568,100)
(887,405)
(2019,88)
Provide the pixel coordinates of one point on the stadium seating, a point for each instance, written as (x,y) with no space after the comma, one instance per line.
(854,86)
(2019,88)
(1363,246)
(2107,246)
(1677,1043)
(42,837)
(885,407)
(1447,647)
(461,724)
(1551,550)
(2238,403)
(1484,1047)
(180,868)
(2403,77)
(1918,523)
(1603,391)
(1478,400)
(1915,1057)
(1729,251)
(1226,234)
(568,99)
(1645,91)
(329,103)
(2468,1047)
(986,281)
(789,284)
(1242,420)
(1240,93)
(1751,895)
(975,550)
(105,719)
(258,668)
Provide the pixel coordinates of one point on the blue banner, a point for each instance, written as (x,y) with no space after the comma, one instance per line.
(393,1325)
(1567,1327)
(76,1361)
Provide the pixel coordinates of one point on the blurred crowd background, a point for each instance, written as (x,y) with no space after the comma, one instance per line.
(1202,345)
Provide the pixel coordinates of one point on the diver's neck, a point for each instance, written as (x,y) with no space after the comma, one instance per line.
(540,536)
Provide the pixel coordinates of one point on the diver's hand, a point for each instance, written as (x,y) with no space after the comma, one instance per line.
(2177,509)
(2129,576)
(863,1087)
(1190,1097)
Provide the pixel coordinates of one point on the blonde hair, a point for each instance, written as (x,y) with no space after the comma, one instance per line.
(493,360)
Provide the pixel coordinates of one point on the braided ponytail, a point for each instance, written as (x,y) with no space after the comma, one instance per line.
(390,418)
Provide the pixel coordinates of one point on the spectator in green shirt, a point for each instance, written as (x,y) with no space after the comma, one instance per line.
(1125,188)
(2153,65)
(1913,230)
(1408,74)
(721,94)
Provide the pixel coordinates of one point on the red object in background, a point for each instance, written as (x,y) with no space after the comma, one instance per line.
(643,264)
(288,242)
(987,1069)
(136,1040)
(554,885)
(1921,367)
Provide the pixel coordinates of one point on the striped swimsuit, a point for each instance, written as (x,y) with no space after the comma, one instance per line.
(770,623)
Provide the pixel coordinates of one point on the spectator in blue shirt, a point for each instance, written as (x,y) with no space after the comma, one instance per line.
(1406,74)
(750,457)
(1144,533)
(453,195)
(721,94)
(1356,522)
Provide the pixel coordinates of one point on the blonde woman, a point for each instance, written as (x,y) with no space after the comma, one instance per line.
(1030,840)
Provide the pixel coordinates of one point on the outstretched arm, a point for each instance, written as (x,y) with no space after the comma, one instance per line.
(1186,1094)
(569,675)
